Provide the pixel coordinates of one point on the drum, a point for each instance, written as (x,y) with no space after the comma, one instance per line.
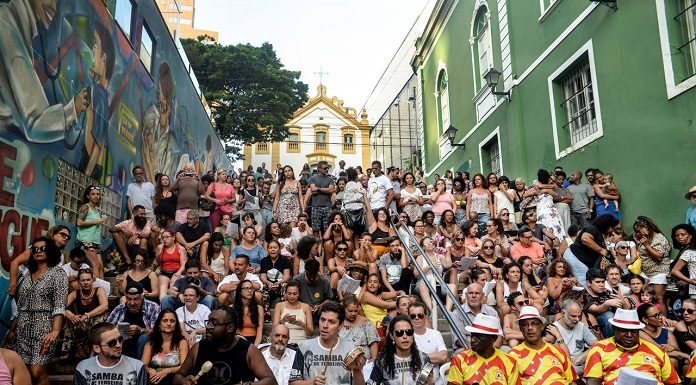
(350,362)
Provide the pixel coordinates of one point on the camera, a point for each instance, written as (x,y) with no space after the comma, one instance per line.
(193,281)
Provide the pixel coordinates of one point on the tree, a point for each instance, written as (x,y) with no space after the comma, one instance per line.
(251,94)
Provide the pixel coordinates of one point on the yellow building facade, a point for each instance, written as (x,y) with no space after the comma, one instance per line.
(179,15)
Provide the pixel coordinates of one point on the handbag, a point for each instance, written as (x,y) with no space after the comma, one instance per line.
(207,205)
(355,220)
(636,267)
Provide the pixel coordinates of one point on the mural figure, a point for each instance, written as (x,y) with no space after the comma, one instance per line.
(97,122)
(23,103)
(158,154)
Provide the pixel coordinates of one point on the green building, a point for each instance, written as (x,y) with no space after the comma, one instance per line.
(589,86)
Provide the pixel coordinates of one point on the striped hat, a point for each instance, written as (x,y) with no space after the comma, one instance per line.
(528,312)
(485,324)
(626,319)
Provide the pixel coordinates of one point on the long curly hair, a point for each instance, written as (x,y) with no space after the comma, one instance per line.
(239,305)
(385,358)
(156,339)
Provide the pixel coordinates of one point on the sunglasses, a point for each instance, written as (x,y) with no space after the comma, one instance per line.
(488,247)
(38,249)
(85,270)
(505,214)
(64,235)
(93,188)
(400,333)
(114,342)
(687,311)
(417,316)
(622,247)
(459,239)
(656,315)
(342,249)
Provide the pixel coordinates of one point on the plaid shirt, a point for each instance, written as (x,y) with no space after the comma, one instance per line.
(150,312)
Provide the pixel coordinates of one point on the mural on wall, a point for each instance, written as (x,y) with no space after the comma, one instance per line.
(78,106)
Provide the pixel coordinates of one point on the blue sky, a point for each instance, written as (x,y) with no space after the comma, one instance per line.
(352,40)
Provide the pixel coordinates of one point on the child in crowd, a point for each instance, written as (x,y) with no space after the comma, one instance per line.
(609,187)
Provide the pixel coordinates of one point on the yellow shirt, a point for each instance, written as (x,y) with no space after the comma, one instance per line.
(604,359)
(468,368)
(373,313)
(549,365)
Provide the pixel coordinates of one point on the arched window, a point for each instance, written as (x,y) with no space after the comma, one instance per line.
(443,111)
(483,50)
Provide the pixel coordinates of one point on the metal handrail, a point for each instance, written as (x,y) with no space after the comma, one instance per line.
(453,327)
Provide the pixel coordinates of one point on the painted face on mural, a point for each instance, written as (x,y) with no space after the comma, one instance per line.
(99,68)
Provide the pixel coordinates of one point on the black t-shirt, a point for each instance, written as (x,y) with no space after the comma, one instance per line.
(583,253)
(191,234)
(274,271)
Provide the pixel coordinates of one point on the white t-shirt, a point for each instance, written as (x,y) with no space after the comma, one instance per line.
(429,342)
(377,189)
(689,256)
(72,272)
(195,320)
(233,278)
(98,282)
(577,340)
(141,195)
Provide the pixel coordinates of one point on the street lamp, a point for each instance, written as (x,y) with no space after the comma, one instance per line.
(451,133)
(492,76)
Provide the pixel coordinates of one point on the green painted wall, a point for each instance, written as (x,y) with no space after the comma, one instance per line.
(648,140)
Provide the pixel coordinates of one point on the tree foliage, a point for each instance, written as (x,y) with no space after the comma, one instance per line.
(250,92)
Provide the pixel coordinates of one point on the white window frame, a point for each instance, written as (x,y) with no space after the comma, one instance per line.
(586,49)
(484,143)
(673,89)
(483,40)
(442,100)
(547,9)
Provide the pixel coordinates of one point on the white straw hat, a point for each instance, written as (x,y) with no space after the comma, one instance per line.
(626,319)
(528,312)
(485,324)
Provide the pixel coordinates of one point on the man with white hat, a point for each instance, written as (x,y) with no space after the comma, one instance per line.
(691,211)
(538,361)
(483,364)
(627,350)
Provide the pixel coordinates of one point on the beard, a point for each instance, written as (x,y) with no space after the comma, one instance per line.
(140,222)
(279,347)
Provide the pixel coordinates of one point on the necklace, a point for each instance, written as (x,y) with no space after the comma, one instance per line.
(88,298)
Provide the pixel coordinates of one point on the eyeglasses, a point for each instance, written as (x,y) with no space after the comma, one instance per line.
(114,342)
(212,324)
(417,316)
(490,225)
(139,261)
(401,332)
(247,288)
(459,239)
(342,249)
(64,235)
(656,315)
(488,247)
(38,249)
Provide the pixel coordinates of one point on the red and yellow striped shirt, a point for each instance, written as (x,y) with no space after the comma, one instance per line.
(549,365)
(605,359)
(468,367)
(691,371)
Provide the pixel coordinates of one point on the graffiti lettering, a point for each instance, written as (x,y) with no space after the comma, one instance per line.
(7,152)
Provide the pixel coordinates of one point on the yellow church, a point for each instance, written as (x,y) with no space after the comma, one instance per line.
(324,129)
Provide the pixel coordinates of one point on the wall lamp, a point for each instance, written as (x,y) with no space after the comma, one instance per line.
(451,133)
(492,76)
(609,3)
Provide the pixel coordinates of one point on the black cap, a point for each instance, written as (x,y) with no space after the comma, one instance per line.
(134,287)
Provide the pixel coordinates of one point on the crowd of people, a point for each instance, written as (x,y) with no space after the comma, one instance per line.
(330,277)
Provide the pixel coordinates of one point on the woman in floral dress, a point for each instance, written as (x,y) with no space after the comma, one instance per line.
(546,211)
(358,330)
(288,202)
(43,292)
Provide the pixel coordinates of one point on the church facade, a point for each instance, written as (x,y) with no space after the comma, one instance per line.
(324,129)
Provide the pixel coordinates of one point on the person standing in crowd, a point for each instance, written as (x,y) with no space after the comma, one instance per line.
(322,357)
(235,360)
(590,246)
(443,201)
(684,239)
(287,198)
(538,361)
(40,308)
(479,201)
(400,361)
(627,350)
(109,363)
(393,175)
(137,316)
(411,197)
(89,228)
(223,195)
(141,193)
(582,205)
(321,189)
(653,249)
(379,188)
(279,357)
(691,211)
(564,199)
(162,193)
(188,188)
(483,363)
